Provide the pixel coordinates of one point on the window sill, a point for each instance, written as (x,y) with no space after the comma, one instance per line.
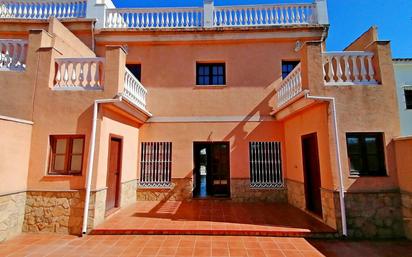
(62,176)
(210,86)
(367,176)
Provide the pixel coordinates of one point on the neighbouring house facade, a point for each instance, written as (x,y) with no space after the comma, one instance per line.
(102,107)
(403,73)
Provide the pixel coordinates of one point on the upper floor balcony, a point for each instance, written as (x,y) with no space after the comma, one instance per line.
(207,16)
(346,68)
(88,74)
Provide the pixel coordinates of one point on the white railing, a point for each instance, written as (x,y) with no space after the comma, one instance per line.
(290,87)
(264,15)
(79,74)
(349,68)
(154,18)
(134,91)
(42,9)
(13,54)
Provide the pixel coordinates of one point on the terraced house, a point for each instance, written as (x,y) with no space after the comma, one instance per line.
(186,120)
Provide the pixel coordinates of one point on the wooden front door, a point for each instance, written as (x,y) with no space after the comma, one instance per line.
(312,178)
(113,173)
(212,169)
(220,177)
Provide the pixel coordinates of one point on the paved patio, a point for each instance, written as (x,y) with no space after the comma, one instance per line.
(208,217)
(36,245)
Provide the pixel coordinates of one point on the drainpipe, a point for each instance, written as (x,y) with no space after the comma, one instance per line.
(332,101)
(91,158)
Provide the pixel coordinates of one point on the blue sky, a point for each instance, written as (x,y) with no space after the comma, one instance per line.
(348,18)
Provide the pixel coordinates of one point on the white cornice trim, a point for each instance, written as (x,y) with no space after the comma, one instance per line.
(210,119)
(7,118)
(199,37)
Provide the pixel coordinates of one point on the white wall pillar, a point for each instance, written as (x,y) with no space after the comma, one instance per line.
(322,12)
(208,8)
(96,9)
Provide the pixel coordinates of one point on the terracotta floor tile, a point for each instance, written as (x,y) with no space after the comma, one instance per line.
(219,252)
(221,216)
(184,251)
(256,253)
(252,245)
(293,253)
(286,246)
(274,253)
(167,251)
(202,251)
(238,252)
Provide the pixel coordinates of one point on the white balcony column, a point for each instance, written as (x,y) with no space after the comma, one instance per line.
(96,9)
(208,10)
(322,12)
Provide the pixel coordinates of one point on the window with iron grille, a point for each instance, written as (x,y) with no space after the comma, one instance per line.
(265,160)
(156,164)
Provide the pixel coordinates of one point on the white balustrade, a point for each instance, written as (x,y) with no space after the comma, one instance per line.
(349,68)
(134,91)
(42,9)
(264,15)
(79,74)
(290,87)
(154,18)
(13,54)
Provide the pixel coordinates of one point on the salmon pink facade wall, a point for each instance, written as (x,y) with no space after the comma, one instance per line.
(14,155)
(239,134)
(312,120)
(114,124)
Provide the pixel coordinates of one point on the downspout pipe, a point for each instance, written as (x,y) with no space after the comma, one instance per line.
(90,165)
(332,101)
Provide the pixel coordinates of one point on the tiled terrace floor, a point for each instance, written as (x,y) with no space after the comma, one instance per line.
(208,217)
(36,245)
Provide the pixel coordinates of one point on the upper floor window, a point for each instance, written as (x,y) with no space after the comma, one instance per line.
(366,154)
(408,97)
(66,155)
(136,70)
(156,164)
(210,74)
(287,67)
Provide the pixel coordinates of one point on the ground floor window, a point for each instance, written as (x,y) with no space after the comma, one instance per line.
(366,154)
(156,164)
(66,154)
(265,164)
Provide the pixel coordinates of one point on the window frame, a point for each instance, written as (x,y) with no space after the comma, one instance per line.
(67,155)
(151,164)
(408,106)
(294,63)
(381,155)
(210,67)
(266,165)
